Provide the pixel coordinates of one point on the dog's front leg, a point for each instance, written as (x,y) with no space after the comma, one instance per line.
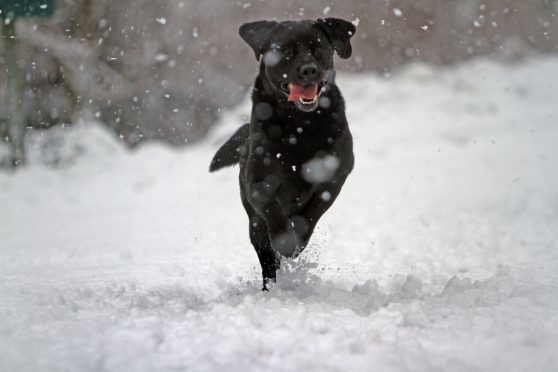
(319,203)
(264,199)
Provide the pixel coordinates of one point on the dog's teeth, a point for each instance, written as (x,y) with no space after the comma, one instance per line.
(308,102)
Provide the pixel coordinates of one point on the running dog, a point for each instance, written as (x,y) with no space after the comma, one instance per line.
(297,150)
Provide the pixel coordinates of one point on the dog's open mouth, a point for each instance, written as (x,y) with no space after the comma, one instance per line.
(305,94)
(305,97)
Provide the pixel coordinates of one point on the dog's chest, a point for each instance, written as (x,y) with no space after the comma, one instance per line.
(301,137)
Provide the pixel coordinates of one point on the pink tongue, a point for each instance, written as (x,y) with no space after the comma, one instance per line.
(308,92)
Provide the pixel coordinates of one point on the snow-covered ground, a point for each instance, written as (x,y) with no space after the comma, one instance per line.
(441,253)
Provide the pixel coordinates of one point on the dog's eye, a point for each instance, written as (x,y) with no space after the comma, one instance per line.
(318,53)
(287,52)
(323,55)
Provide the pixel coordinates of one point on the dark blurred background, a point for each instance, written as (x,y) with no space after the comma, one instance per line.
(163,69)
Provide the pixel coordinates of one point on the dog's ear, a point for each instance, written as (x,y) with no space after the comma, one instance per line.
(256,34)
(339,33)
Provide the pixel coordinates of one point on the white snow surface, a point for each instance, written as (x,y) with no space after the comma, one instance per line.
(440,254)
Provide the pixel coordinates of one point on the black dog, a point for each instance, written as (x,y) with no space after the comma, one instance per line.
(297,151)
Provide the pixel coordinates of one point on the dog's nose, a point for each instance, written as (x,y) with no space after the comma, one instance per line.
(308,71)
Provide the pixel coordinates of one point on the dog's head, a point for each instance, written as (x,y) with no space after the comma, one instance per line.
(298,56)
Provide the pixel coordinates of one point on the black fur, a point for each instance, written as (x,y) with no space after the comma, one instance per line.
(294,156)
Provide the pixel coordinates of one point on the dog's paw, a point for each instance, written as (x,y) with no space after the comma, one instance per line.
(268,284)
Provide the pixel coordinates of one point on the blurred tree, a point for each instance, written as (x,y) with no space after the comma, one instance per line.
(163,69)
(10,12)
(13,9)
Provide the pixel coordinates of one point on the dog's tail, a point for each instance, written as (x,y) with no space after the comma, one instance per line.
(229,154)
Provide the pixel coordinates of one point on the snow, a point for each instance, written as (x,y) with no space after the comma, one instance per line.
(320,169)
(440,254)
